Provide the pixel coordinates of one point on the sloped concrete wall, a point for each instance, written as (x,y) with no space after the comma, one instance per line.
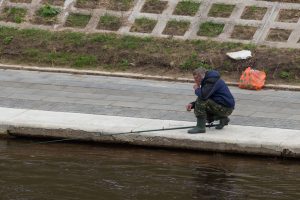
(269,22)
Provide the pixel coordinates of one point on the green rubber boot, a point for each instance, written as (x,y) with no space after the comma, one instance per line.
(200,127)
(223,122)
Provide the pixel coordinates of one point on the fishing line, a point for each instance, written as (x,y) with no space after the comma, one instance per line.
(121,133)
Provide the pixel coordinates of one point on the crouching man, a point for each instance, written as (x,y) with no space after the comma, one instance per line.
(214,100)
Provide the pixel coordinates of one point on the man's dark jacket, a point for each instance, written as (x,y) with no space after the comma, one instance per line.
(212,87)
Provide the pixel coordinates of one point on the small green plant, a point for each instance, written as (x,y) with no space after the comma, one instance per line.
(48,11)
(210,29)
(284,74)
(124,64)
(110,22)
(187,7)
(46,15)
(221,10)
(85,61)
(78,20)
(193,62)
(7,40)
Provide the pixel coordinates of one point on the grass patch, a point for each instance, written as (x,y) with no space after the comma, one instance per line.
(85,60)
(278,35)
(13,14)
(187,7)
(46,15)
(119,5)
(154,6)
(175,27)
(221,10)
(143,25)
(193,62)
(254,13)
(77,20)
(89,4)
(143,55)
(72,38)
(7,40)
(34,34)
(60,58)
(102,38)
(110,22)
(290,16)
(210,29)
(243,32)
(131,42)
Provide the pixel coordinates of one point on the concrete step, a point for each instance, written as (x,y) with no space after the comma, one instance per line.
(145,132)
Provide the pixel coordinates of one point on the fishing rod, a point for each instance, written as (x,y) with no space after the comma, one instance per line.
(131,132)
(121,133)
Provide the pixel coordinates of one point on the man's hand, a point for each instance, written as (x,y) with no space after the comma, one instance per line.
(196,86)
(189,107)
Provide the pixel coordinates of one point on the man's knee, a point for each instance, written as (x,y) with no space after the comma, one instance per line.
(200,108)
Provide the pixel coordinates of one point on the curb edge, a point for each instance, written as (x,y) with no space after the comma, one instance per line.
(129,75)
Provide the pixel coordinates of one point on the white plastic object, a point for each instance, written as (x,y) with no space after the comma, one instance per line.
(240,55)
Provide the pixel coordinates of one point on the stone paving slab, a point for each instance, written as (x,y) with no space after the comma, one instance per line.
(102,128)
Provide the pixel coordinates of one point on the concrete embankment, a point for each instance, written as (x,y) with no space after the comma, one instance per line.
(115,129)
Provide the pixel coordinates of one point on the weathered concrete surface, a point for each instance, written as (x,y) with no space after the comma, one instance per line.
(114,129)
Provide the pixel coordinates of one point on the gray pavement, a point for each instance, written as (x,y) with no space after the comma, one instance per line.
(138,98)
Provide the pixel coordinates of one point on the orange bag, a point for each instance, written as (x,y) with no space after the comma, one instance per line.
(252,79)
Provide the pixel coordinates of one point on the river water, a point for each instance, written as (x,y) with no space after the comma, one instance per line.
(68,171)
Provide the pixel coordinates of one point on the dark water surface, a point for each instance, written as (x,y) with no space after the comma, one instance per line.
(60,171)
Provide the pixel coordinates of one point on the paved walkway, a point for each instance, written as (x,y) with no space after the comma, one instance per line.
(139,98)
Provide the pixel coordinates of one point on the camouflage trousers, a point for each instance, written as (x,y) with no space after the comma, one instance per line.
(210,110)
